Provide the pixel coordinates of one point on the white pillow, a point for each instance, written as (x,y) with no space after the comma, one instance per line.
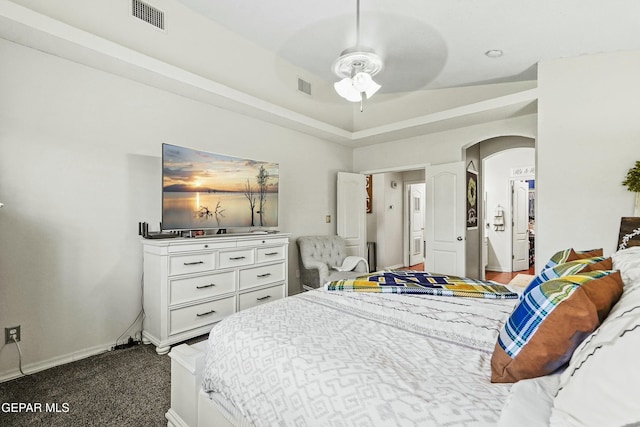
(628,262)
(529,402)
(600,385)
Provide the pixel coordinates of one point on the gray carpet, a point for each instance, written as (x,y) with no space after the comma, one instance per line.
(129,387)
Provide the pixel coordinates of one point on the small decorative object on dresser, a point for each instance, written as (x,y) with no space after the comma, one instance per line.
(190,285)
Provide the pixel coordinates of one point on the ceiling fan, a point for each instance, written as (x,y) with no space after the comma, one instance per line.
(356,66)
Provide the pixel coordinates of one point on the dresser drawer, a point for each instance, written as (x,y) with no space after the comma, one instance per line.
(198,287)
(270,254)
(230,259)
(263,242)
(257,276)
(261,296)
(194,316)
(198,246)
(192,263)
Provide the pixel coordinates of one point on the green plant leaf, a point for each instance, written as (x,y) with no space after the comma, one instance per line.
(632,180)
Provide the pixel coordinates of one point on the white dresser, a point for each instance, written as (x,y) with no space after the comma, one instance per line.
(190,284)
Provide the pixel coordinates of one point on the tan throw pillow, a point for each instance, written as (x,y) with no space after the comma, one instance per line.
(550,322)
(605,264)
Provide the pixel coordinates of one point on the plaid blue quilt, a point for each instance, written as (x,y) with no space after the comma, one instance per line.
(420,282)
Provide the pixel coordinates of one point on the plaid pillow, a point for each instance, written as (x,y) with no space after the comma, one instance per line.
(569,268)
(571,255)
(550,322)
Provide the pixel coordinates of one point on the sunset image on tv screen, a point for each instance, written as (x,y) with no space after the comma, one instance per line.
(207,190)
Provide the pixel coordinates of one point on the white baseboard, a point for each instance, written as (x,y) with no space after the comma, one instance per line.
(56,361)
(497,269)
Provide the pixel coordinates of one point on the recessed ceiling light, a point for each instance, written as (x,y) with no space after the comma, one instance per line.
(494,53)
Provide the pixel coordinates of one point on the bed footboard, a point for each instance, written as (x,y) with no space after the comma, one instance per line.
(187,364)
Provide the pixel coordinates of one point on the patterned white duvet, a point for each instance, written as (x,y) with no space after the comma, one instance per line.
(326,358)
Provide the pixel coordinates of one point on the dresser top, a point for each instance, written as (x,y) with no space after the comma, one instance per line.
(219,240)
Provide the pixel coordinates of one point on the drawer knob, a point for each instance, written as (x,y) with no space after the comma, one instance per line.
(264,298)
(204,314)
(206,286)
(206,246)
(264,275)
(194,263)
(236,258)
(271,253)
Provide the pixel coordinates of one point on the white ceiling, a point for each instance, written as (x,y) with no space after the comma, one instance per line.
(429,44)
(436,75)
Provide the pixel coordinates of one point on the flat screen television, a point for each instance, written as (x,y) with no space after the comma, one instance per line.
(202,190)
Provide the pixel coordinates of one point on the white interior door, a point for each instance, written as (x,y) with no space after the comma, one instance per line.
(520,226)
(351,215)
(416,223)
(445,218)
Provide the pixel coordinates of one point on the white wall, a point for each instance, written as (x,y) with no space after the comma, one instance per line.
(588,138)
(437,148)
(80,165)
(389,221)
(497,186)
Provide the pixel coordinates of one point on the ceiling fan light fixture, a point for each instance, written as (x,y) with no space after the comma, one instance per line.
(356,59)
(357,66)
(345,89)
(361,81)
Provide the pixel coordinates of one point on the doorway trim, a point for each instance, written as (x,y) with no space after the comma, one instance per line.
(406,224)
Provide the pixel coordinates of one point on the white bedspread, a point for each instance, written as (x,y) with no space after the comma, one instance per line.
(326,358)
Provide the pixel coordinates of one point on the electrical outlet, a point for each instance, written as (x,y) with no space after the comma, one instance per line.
(10,333)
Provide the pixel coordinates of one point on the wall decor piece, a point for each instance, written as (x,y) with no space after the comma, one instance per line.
(498,219)
(202,190)
(629,232)
(369,186)
(472,200)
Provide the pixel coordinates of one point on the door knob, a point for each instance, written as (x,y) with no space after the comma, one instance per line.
(459,238)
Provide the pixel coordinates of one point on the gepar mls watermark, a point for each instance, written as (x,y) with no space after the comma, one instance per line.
(18,407)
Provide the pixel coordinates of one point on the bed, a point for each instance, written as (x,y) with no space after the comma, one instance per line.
(377,358)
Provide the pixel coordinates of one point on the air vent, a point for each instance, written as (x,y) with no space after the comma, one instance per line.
(304,86)
(147,13)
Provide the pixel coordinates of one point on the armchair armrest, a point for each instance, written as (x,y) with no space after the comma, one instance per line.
(323,268)
(313,273)
(362,266)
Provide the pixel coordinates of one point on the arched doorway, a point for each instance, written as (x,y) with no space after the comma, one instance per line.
(478,248)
